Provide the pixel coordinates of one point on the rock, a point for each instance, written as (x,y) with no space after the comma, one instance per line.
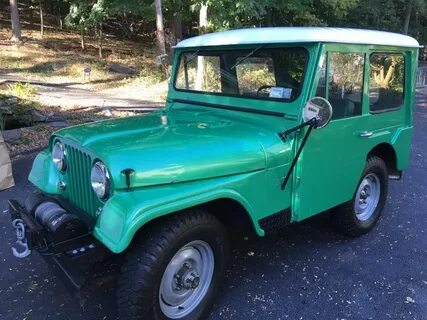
(5,110)
(38,116)
(12,136)
(107,112)
(409,300)
(58,65)
(11,100)
(118,68)
(59,124)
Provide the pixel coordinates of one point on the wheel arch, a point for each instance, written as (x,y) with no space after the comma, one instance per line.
(230,208)
(230,212)
(388,154)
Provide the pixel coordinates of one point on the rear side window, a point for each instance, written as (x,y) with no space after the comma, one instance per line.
(386,85)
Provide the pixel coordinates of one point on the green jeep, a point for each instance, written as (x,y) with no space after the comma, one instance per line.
(262,128)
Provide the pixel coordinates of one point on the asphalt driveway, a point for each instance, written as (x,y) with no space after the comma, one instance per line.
(307,271)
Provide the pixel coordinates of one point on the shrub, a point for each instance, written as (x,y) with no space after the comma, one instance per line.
(21,90)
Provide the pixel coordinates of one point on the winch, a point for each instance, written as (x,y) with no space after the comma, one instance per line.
(60,224)
(45,225)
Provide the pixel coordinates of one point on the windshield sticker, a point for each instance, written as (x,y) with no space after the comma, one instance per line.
(280,92)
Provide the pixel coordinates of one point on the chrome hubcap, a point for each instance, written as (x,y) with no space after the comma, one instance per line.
(367,197)
(186,279)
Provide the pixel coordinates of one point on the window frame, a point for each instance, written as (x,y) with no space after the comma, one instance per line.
(391,53)
(265,47)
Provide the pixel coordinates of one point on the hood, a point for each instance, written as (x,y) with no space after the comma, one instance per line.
(185,145)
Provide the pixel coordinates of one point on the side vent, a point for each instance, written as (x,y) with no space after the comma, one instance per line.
(276,221)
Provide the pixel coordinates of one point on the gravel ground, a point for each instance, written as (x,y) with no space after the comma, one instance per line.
(307,271)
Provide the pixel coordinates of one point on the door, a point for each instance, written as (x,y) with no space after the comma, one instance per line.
(333,158)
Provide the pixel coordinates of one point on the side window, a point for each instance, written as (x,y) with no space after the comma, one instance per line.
(386,85)
(345,84)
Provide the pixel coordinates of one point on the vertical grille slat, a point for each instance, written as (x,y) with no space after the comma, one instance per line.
(86,184)
(91,200)
(79,180)
(82,187)
(72,180)
(79,190)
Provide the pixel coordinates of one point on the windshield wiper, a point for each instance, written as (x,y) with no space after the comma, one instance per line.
(191,58)
(247,56)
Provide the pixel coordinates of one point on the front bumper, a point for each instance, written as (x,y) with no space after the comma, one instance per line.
(70,258)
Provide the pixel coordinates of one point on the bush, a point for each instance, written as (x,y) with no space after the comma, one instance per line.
(21,90)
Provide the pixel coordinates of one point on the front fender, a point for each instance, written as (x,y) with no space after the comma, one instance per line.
(126,212)
(43,173)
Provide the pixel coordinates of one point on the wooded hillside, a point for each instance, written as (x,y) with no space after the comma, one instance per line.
(168,21)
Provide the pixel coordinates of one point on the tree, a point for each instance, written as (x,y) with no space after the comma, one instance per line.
(14,16)
(41,19)
(407,17)
(78,17)
(160,32)
(203,25)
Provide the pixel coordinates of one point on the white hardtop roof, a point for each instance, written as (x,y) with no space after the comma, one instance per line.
(299,35)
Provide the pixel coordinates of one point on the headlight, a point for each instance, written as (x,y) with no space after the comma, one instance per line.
(100,180)
(58,156)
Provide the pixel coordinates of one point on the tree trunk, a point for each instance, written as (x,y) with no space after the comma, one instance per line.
(160,28)
(407,17)
(177,26)
(82,37)
(100,38)
(203,19)
(203,24)
(14,16)
(41,19)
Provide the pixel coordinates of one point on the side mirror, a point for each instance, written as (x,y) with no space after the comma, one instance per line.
(318,108)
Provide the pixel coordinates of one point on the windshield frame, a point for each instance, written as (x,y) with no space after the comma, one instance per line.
(252,48)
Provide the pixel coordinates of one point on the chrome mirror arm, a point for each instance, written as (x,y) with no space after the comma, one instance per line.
(312,123)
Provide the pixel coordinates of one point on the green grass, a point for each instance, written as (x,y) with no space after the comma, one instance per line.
(21,90)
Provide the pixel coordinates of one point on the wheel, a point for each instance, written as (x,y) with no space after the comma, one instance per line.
(359,215)
(174,269)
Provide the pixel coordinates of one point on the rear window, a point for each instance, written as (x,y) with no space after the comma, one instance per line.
(254,73)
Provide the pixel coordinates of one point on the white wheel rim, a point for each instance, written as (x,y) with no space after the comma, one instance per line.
(186,279)
(367,197)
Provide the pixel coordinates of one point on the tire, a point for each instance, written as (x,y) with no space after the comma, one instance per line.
(146,273)
(359,215)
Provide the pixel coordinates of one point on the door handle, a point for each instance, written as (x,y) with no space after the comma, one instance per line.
(366,134)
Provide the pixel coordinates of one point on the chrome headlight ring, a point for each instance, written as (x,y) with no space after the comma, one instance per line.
(100,180)
(59,156)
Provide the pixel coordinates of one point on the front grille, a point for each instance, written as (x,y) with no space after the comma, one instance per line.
(79,190)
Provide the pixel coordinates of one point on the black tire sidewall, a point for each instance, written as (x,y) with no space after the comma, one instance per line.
(377,167)
(215,236)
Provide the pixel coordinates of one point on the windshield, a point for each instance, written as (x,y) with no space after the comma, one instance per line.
(253,73)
